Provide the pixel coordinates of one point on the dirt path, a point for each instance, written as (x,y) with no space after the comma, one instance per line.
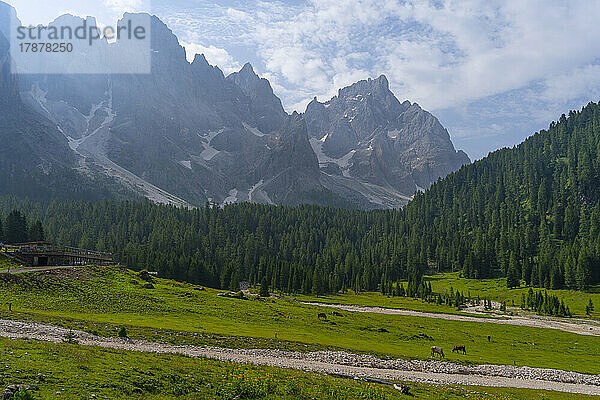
(436,372)
(578,326)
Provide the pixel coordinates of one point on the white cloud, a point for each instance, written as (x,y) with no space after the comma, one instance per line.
(238,15)
(214,56)
(581,81)
(122,6)
(520,63)
(438,55)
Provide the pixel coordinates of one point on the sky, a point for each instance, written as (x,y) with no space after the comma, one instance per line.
(493,72)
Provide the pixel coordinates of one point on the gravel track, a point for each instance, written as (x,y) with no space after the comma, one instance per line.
(580,327)
(436,372)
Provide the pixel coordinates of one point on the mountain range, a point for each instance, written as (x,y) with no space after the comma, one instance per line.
(186,134)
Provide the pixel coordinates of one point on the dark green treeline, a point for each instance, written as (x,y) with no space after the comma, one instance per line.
(300,249)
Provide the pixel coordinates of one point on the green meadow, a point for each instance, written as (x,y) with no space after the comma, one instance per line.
(104,299)
(6,263)
(492,289)
(70,371)
(495,289)
(376,299)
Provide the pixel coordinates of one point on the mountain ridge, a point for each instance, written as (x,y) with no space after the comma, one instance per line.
(187,134)
(35,160)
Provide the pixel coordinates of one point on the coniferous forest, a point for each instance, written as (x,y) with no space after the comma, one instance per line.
(530,213)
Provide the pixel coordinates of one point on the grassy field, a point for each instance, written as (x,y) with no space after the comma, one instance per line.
(376,299)
(106,298)
(495,289)
(6,263)
(69,371)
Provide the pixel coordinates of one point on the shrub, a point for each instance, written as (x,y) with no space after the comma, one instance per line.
(23,395)
(70,338)
(122,332)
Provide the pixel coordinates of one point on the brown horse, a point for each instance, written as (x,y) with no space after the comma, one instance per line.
(437,350)
(458,349)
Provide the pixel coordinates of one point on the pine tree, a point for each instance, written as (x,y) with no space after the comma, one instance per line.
(264,288)
(570,266)
(512,277)
(402,291)
(316,283)
(583,271)
(16,228)
(589,308)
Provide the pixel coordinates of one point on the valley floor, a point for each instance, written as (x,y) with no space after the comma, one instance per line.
(435,372)
(87,306)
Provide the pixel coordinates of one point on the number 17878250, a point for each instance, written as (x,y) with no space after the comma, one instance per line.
(46,47)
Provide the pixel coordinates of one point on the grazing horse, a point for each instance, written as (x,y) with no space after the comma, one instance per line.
(458,349)
(322,315)
(437,350)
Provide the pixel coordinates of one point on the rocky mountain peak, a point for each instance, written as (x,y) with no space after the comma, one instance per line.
(382,83)
(315,105)
(365,133)
(200,60)
(248,71)
(250,82)
(264,104)
(204,70)
(377,88)
(355,114)
(383,80)
(164,42)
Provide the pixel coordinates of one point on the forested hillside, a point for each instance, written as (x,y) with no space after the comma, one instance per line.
(305,248)
(531,212)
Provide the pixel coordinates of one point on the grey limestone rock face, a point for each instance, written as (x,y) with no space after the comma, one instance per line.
(186,134)
(367,135)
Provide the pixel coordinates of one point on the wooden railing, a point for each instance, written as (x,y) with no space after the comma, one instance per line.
(43,249)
